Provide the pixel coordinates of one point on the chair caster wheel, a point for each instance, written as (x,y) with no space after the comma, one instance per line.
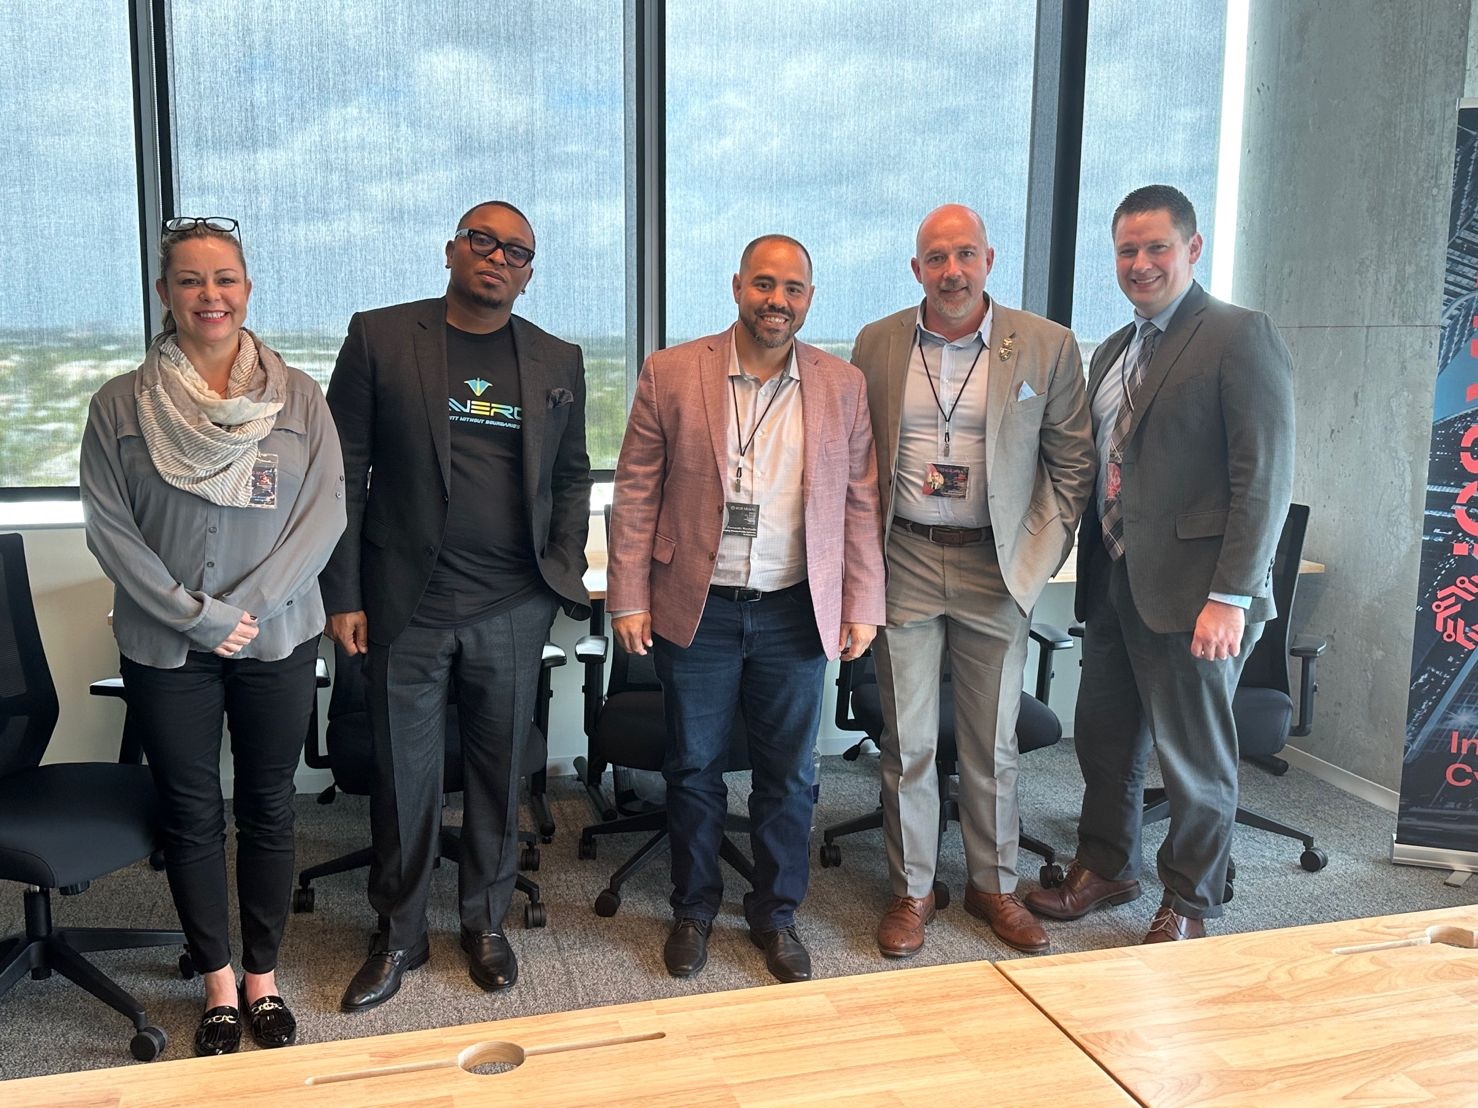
(1227,893)
(941,896)
(148,1043)
(534,915)
(1051,875)
(830,855)
(586,851)
(1313,859)
(607,903)
(528,858)
(187,966)
(303,898)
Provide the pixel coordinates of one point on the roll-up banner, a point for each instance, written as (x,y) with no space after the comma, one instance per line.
(1437,822)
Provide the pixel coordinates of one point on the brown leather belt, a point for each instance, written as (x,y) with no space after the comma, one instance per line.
(944,536)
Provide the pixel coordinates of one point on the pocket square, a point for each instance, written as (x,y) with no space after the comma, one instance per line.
(560,396)
(1026,392)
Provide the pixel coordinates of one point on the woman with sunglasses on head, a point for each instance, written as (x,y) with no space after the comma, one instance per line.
(212,488)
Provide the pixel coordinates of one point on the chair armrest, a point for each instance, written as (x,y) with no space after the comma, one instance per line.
(591,648)
(1307,649)
(843,718)
(1308,646)
(554,656)
(1075,630)
(1050,637)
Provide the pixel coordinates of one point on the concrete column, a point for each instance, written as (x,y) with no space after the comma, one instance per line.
(1342,229)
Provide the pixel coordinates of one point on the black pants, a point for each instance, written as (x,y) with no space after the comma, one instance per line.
(177,713)
(494,667)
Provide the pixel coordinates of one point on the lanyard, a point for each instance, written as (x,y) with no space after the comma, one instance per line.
(746,443)
(949,415)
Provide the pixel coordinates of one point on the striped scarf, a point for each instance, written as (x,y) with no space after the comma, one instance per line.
(198,441)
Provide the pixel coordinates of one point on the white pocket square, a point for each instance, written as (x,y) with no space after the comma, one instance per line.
(1026,392)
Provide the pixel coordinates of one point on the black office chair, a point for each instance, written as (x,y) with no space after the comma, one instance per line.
(627,731)
(859,708)
(63,826)
(349,757)
(1263,704)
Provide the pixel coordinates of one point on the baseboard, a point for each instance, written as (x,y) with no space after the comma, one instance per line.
(1341,779)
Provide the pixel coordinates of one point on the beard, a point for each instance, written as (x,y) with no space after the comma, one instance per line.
(763,336)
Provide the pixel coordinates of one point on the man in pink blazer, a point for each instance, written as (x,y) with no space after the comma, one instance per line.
(746,551)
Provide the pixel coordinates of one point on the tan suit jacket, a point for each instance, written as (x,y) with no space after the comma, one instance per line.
(1040,458)
(668,514)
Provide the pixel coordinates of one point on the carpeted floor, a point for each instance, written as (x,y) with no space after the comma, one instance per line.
(581,959)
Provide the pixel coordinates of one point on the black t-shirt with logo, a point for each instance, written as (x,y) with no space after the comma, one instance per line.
(487,556)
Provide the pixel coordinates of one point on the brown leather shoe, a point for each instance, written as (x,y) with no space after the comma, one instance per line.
(1008,918)
(1169,926)
(1082,892)
(901,931)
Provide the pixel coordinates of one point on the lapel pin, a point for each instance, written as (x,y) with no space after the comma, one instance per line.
(1008,347)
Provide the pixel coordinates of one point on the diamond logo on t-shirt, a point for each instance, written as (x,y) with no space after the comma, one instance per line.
(478,385)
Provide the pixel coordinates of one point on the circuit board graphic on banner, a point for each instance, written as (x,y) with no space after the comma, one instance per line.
(1438,813)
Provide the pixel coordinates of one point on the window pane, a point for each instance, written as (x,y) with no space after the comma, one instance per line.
(348,138)
(71,308)
(843,128)
(1151,115)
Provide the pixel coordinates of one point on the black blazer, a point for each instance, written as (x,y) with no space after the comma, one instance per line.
(388,398)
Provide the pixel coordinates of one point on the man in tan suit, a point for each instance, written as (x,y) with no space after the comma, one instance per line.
(745,551)
(985,462)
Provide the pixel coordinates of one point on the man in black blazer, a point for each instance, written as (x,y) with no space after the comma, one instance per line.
(1193,419)
(468,495)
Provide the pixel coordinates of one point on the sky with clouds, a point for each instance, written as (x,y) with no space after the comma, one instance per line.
(349,136)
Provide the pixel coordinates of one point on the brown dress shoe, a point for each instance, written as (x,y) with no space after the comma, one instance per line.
(901,931)
(1008,918)
(1170,926)
(1082,892)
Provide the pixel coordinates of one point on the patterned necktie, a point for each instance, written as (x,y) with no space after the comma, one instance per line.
(1113,514)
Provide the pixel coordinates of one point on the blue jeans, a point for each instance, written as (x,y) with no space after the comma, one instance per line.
(763,658)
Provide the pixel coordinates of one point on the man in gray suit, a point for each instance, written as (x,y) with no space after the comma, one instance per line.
(985,461)
(468,496)
(1193,419)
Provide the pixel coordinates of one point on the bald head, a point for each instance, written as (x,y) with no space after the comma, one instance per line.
(953,259)
(947,214)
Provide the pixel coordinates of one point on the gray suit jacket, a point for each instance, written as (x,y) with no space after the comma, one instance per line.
(1041,461)
(388,396)
(1208,464)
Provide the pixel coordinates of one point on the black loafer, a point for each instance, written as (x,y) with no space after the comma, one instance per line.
(219,1031)
(490,960)
(785,957)
(686,949)
(379,978)
(270,1020)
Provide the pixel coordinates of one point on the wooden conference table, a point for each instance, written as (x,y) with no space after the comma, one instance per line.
(1273,1017)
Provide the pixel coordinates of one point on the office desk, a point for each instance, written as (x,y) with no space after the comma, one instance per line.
(1274,1017)
(933,1036)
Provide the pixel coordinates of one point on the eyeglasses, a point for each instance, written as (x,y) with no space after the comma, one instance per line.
(221,223)
(483,244)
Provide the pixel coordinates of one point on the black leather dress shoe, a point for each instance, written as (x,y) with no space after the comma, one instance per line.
(490,960)
(219,1031)
(379,978)
(785,957)
(270,1020)
(686,949)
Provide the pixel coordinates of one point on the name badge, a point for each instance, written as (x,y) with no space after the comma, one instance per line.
(741,519)
(942,479)
(264,481)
